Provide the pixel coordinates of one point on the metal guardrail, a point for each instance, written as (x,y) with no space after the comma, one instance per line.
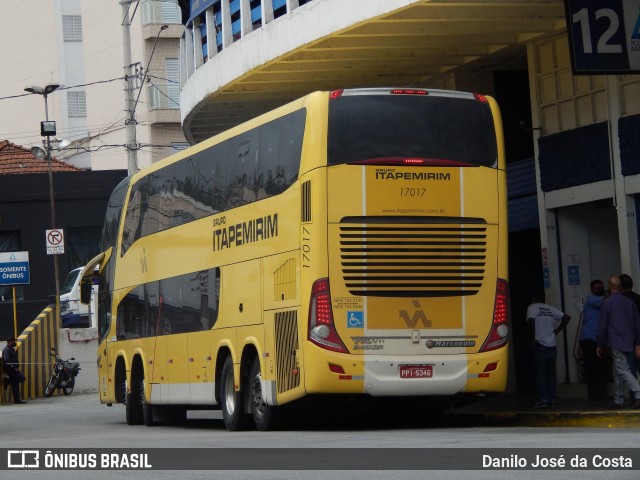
(33,347)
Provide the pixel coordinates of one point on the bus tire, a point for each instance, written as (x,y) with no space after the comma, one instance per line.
(266,417)
(147,409)
(133,404)
(231,402)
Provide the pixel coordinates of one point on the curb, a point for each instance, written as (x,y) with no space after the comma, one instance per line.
(630,419)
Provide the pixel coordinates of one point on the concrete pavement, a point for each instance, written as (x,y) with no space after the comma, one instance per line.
(502,409)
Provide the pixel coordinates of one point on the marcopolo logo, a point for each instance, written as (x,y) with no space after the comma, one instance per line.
(449,343)
(23,459)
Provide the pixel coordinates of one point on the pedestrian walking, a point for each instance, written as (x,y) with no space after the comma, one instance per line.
(626,283)
(619,330)
(545,322)
(627,290)
(594,366)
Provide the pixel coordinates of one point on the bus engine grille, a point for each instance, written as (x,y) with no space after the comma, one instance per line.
(441,259)
(286,326)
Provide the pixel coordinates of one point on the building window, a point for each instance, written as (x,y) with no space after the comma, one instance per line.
(172,66)
(82,244)
(77,104)
(166,95)
(72,28)
(171,12)
(161,11)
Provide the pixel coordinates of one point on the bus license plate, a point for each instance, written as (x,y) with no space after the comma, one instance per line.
(416,371)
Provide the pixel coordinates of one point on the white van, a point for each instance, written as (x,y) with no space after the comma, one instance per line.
(70,295)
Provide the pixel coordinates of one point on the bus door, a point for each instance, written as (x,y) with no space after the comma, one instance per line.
(177,347)
(199,312)
(157,367)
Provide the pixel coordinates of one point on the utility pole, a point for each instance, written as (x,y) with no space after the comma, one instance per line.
(130,121)
(48,129)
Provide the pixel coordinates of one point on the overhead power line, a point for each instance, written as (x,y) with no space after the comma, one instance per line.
(66,88)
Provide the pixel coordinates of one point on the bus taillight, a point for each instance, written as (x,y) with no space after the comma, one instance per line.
(408,91)
(336,94)
(322,330)
(499,334)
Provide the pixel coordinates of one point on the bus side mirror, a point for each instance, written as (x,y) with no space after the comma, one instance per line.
(85,291)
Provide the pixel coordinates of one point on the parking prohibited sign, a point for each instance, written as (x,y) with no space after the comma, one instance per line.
(55,242)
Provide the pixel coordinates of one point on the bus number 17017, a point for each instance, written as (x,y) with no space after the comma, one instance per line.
(412,192)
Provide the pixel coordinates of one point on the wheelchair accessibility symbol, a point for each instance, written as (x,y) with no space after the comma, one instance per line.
(355,319)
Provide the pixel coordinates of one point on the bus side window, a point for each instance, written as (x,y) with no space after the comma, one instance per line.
(280,150)
(152,306)
(131,319)
(211,300)
(171,310)
(191,300)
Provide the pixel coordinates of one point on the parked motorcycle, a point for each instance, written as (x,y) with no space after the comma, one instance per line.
(64,375)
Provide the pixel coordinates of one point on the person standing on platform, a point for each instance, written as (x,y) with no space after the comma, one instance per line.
(595,368)
(626,282)
(545,322)
(627,290)
(12,369)
(619,329)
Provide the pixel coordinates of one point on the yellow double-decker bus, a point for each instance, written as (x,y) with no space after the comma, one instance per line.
(349,242)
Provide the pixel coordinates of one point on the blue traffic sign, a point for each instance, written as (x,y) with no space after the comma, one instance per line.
(14,268)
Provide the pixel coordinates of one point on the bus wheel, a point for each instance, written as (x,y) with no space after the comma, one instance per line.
(147,410)
(231,401)
(133,404)
(266,417)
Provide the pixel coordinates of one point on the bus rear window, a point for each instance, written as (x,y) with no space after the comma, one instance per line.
(439,129)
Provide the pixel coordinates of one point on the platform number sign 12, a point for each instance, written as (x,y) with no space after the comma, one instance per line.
(604,36)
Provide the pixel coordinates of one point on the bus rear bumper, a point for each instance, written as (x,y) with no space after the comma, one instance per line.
(441,375)
(437,375)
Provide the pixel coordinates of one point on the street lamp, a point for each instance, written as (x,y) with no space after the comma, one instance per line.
(47,129)
(144,77)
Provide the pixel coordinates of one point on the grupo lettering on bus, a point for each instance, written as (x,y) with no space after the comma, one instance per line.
(392,175)
(246,232)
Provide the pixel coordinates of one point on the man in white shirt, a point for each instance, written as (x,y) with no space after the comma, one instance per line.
(545,322)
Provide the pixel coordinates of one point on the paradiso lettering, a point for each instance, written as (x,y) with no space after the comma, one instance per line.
(391,174)
(247,232)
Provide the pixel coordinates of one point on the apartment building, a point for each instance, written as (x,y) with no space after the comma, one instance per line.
(81,46)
